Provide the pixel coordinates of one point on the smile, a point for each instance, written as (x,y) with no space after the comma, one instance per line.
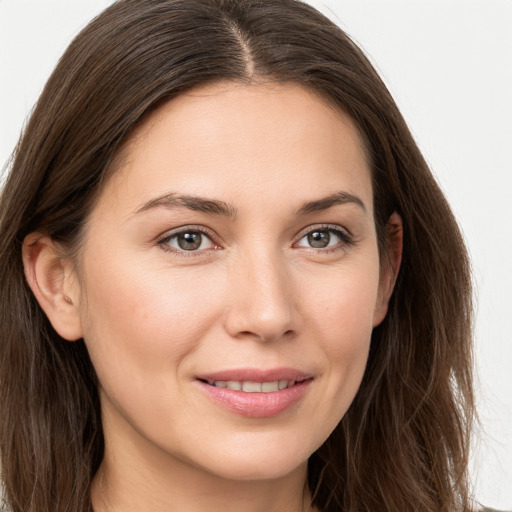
(256,393)
(253,387)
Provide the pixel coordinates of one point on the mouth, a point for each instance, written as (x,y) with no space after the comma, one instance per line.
(256,393)
(248,386)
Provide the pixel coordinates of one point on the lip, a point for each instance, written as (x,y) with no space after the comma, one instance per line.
(256,375)
(256,405)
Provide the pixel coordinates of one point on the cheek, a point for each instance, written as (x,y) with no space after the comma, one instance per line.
(141,323)
(343,304)
(341,317)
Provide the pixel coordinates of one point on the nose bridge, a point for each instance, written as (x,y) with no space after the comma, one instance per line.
(261,302)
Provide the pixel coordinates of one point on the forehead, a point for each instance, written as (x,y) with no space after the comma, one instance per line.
(233,140)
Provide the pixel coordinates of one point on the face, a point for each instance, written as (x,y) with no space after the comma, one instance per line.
(230,280)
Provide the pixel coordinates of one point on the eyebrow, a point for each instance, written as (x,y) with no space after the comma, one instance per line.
(216,207)
(200,204)
(339,198)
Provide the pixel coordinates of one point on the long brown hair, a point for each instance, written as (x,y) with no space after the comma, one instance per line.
(403,444)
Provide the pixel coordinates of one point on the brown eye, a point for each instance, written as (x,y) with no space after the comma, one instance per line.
(319,239)
(325,238)
(189,241)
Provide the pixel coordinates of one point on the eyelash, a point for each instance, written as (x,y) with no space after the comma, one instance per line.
(164,242)
(346,238)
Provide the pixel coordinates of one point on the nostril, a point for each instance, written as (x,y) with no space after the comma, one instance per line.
(265,337)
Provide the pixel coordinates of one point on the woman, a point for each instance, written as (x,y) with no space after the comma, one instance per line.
(221,290)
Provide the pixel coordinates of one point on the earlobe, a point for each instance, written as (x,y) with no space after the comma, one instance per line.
(52,279)
(390,267)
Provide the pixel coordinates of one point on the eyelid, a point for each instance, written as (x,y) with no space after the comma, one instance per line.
(166,236)
(345,235)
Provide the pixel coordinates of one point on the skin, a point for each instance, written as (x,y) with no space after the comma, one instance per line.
(255,294)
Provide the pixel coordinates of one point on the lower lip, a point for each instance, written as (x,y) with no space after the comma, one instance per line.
(257,405)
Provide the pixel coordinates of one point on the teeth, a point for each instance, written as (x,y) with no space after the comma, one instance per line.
(253,387)
(268,387)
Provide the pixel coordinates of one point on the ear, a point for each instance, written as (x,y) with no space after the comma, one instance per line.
(53,281)
(390,266)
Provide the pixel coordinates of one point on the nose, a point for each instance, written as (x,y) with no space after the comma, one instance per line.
(262,304)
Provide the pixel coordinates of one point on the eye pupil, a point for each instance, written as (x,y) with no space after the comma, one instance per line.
(189,241)
(319,239)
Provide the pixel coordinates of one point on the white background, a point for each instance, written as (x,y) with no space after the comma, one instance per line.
(449,66)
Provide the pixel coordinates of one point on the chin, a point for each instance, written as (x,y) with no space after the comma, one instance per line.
(256,470)
(269,461)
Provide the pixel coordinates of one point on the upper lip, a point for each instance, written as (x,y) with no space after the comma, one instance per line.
(255,375)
